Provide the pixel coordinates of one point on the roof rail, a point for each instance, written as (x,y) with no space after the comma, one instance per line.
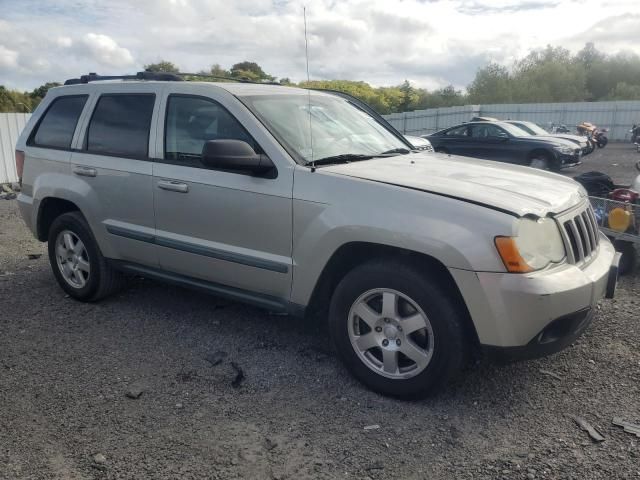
(159,76)
(93,77)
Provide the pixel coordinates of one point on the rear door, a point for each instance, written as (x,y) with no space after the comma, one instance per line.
(114,171)
(457,141)
(228,228)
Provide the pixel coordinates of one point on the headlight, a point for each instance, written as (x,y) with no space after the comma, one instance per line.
(537,244)
(564,149)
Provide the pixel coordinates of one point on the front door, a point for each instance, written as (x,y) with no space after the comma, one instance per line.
(231,229)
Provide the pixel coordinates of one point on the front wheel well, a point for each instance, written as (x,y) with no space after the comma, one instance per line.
(538,153)
(50,209)
(353,254)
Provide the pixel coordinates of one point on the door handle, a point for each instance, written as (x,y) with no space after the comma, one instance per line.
(85,171)
(173,186)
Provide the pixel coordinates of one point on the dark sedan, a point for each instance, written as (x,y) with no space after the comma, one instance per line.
(535,129)
(504,142)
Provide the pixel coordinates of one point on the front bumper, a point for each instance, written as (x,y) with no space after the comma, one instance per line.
(572,160)
(539,312)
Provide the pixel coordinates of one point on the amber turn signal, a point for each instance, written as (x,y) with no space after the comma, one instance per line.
(510,255)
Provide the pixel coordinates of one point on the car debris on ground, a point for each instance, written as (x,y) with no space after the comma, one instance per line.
(586,426)
(628,427)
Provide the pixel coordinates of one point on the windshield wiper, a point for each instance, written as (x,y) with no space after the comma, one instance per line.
(402,151)
(342,158)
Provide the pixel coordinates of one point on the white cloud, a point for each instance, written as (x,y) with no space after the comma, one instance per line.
(8,58)
(380,41)
(64,42)
(106,51)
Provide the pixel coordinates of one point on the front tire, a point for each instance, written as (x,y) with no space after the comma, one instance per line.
(540,161)
(76,260)
(397,330)
(629,256)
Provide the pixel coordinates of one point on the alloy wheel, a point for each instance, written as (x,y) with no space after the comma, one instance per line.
(72,259)
(390,333)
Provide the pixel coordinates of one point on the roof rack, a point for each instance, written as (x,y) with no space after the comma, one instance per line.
(93,77)
(158,76)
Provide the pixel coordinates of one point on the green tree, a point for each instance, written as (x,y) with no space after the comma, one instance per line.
(250,71)
(409,97)
(42,90)
(162,66)
(491,84)
(624,91)
(217,71)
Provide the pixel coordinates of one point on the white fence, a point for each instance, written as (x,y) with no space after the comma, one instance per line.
(618,117)
(11,125)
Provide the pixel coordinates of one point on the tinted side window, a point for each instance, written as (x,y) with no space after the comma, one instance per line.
(191,121)
(458,132)
(488,131)
(120,125)
(59,122)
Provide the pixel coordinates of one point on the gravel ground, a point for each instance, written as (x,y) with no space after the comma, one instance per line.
(66,369)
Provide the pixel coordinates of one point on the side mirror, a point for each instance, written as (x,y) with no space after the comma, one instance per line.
(235,155)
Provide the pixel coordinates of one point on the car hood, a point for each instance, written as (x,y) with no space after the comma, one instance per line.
(571,138)
(511,188)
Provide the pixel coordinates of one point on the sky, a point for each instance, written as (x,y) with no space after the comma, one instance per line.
(432,43)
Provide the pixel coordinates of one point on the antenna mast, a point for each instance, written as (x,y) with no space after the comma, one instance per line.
(306,54)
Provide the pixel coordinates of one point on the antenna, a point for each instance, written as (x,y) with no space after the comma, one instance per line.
(306,54)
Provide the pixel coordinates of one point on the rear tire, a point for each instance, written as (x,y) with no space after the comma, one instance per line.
(410,353)
(77,262)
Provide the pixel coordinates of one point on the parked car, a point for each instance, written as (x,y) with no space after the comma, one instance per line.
(298,201)
(504,142)
(535,129)
(419,143)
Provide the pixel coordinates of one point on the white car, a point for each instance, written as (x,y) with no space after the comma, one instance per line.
(420,143)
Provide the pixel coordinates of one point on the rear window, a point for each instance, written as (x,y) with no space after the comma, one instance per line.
(120,125)
(58,123)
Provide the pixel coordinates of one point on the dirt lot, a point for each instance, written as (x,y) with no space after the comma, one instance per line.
(66,367)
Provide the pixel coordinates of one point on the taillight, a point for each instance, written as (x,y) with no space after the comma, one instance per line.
(19,164)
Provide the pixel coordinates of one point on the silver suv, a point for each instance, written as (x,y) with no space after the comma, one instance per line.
(302,201)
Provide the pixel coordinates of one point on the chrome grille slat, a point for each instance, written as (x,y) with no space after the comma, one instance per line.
(578,243)
(579,230)
(589,227)
(584,236)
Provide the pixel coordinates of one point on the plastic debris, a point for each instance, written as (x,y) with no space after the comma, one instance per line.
(586,426)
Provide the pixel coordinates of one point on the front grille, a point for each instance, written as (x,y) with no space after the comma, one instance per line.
(580,234)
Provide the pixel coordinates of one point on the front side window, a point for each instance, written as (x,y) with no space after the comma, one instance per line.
(192,121)
(59,122)
(488,131)
(120,125)
(317,126)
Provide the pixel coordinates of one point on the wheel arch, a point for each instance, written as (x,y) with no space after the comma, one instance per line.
(48,210)
(545,152)
(352,254)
